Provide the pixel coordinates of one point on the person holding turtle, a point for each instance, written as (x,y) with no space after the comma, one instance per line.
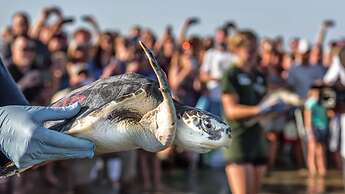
(24,140)
(243,86)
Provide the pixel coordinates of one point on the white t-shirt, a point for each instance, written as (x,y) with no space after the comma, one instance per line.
(216,62)
(336,71)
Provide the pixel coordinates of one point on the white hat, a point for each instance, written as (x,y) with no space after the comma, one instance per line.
(303,46)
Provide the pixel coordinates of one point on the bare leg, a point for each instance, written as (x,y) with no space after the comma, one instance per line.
(272,137)
(193,162)
(337,160)
(259,173)
(343,161)
(311,185)
(157,173)
(320,185)
(143,159)
(251,178)
(128,170)
(321,159)
(238,178)
(311,158)
(297,147)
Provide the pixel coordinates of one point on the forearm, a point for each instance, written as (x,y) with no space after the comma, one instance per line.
(182,75)
(204,77)
(55,28)
(182,35)
(235,111)
(241,112)
(320,37)
(159,43)
(11,94)
(37,27)
(323,31)
(175,79)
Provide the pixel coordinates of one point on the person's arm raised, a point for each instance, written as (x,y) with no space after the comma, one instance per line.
(94,24)
(321,35)
(187,24)
(42,20)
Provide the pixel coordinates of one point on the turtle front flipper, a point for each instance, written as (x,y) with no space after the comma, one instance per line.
(161,120)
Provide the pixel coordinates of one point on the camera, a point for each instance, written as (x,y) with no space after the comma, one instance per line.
(333,97)
(328,97)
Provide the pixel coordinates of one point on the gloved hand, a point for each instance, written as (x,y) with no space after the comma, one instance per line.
(277,107)
(25,141)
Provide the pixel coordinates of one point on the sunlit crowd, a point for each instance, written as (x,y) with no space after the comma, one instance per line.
(229,74)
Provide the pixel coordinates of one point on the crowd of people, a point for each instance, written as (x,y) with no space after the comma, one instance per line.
(227,74)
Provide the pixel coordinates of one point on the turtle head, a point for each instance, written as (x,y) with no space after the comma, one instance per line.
(200,131)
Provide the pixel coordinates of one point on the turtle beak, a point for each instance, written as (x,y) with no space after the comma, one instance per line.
(228,132)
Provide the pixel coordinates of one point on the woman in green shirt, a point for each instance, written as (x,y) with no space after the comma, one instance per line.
(243,87)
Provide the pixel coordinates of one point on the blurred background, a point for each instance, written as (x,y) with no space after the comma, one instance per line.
(221,56)
(290,18)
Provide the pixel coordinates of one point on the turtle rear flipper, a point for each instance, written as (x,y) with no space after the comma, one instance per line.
(163,119)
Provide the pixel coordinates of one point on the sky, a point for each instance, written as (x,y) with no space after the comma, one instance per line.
(269,18)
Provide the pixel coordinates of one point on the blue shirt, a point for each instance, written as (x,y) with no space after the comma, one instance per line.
(302,77)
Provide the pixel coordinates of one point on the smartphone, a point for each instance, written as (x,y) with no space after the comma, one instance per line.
(230,25)
(329,23)
(55,10)
(68,20)
(193,20)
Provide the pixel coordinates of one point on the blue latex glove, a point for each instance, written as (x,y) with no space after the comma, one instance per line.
(277,107)
(25,141)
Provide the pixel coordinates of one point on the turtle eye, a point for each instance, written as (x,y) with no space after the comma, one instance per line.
(206,125)
(196,121)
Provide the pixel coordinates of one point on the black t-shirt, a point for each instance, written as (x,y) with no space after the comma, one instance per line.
(250,87)
(30,93)
(15,72)
(10,94)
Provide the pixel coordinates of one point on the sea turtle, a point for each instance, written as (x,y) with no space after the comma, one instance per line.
(131,111)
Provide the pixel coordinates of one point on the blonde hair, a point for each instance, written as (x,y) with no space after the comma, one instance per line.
(241,39)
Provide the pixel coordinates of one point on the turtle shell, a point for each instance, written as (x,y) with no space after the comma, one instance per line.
(101,92)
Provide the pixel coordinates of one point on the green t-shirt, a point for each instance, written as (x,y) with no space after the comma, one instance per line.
(248,140)
(249,87)
(319,114)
